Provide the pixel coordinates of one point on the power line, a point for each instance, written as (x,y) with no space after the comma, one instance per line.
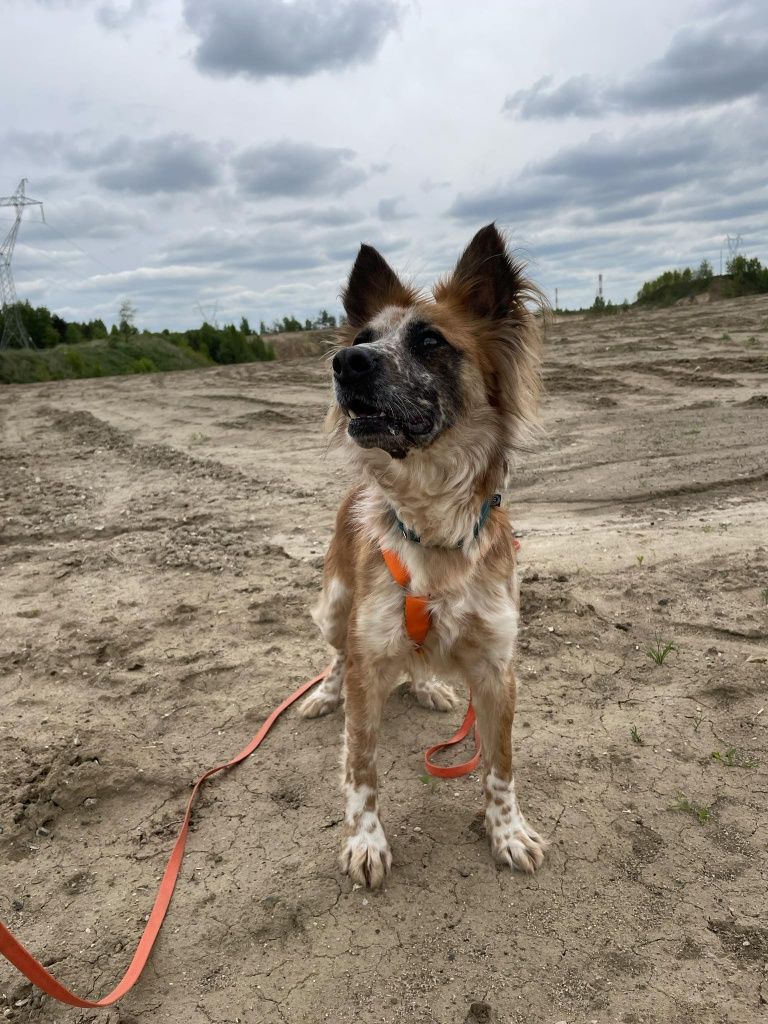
(14,330)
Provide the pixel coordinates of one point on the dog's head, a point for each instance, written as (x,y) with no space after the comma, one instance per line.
(412,370)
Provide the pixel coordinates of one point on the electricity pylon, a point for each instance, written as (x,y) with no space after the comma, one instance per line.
(14,331)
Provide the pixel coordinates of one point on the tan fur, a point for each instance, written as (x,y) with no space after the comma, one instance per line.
(438,492)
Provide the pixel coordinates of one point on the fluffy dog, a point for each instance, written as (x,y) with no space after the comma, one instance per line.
(431,397)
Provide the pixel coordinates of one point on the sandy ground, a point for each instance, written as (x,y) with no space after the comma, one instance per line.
(161,541)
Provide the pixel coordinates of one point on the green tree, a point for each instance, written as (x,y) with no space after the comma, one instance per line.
(74,335)
(704,273)
(126,317)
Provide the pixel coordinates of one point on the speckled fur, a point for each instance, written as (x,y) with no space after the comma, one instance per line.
(437,486)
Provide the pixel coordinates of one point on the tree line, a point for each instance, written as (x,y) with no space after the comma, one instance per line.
(744,276)
(289,324)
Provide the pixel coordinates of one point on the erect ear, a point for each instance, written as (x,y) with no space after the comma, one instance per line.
(372,285)
(486,281)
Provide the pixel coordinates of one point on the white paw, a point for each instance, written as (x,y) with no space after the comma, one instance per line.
(516,844)
(434,695)
(513,841)
(320,701)
(366,857)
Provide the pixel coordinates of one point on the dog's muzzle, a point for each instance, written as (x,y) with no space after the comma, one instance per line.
(377,417)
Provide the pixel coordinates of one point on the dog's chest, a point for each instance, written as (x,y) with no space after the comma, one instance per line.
(481,613)
(486,615)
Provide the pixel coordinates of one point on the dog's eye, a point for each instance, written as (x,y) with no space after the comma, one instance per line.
(431,340)
(364,337)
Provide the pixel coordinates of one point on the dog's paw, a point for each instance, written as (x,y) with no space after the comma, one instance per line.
(434,695)
(320,701)
(366,857)
(516,844)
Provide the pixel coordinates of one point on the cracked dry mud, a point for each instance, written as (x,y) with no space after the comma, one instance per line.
(160,545)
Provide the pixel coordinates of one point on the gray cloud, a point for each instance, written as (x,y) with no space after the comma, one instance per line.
(576,97)
(90,217)
(168,163)
(391,209)
(115,16)
(328,216)
(622,178)
(277,248)
(702,67)
(290,168)
(263,38)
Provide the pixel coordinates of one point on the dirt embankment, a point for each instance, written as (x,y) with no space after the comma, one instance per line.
(161,540)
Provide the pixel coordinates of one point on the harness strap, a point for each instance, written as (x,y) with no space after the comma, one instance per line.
(417,623)
(416,610)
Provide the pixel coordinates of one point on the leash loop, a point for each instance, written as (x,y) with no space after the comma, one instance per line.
(33,970)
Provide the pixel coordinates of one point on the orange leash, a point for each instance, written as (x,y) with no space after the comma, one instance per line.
(22,959)
(455,771)
(417,623)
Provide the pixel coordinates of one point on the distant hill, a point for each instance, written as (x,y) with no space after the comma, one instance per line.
(298,344)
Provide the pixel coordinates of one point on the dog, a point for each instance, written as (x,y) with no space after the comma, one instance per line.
(431,397)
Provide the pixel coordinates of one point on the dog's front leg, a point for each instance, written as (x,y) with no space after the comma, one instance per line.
(513,841)
(365,854)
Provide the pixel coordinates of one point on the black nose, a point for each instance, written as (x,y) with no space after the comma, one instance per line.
(354,364)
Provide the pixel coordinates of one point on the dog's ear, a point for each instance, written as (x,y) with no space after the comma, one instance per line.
(372,285)
(486,282)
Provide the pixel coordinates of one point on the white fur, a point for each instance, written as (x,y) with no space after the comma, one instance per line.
(513,841)
(365,854)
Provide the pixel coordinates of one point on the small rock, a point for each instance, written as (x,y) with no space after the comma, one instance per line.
(759,659)
(17,905)
(42,832)
(464,872)
(480,1013)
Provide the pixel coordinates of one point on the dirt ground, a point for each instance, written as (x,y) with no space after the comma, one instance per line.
(161,542)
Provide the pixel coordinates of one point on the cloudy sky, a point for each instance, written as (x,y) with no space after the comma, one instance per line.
(227,157)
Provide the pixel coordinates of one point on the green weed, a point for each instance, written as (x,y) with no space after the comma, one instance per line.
(659,650)
(701,813)
(734,758)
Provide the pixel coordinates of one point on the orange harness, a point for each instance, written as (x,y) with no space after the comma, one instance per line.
(417,622)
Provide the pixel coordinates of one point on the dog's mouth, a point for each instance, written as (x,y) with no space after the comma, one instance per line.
(376,426)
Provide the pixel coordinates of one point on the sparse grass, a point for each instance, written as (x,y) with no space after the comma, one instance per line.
(734,758)
(700,812)
(636,737)
(692,433)
(640,559)
(659,649)
(725,337)
(697,719)
(751,342)
(198,438)
(764,595)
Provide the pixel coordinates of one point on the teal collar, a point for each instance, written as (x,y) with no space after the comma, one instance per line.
(485,511)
